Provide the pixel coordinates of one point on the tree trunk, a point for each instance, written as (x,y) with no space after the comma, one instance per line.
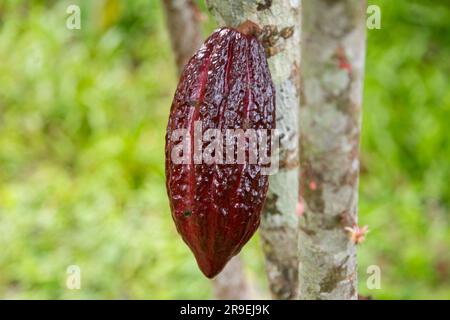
(333,51)
(182,18)
(231,283)
(183,24)
(280,21)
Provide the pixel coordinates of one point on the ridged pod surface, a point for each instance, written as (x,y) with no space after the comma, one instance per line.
(216,207)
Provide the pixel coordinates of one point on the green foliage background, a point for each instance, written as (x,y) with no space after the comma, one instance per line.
(82,124)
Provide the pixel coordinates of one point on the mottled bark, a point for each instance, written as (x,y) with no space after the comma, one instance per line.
(280,21)
(183,23)
(333,51)
(182,18)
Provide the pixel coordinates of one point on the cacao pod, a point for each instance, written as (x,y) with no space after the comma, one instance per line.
(216,206)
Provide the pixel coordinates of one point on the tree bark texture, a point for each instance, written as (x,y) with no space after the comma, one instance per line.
(333,53)
(182,17)
(183,24)
(280,21)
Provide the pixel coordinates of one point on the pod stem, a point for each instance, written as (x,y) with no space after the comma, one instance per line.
(249,28)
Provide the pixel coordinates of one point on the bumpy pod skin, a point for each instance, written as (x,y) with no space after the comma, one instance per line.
(217,207)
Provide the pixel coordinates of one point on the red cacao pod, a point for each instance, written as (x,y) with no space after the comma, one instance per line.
(216,206)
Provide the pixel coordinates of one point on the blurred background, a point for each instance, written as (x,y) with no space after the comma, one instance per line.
(82,125)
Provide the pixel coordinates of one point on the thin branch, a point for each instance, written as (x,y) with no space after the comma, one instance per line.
(182,18)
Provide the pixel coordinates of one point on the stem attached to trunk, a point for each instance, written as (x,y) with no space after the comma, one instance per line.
(279,21)
(333,51)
